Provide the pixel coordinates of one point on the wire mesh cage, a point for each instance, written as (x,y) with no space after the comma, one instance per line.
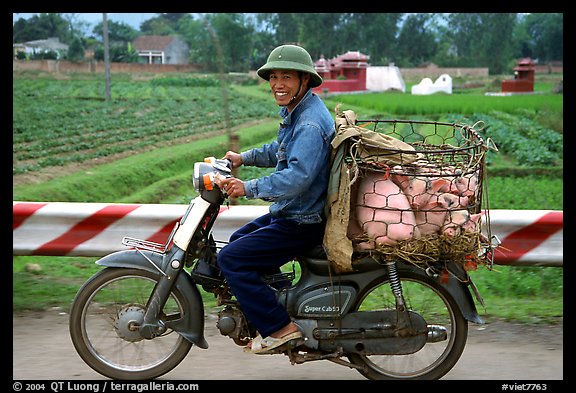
(421,201)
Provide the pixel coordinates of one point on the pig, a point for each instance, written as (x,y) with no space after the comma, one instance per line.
(462,184)
(466,185)
(383,212)
(459,221)
(419,189)
(432,217)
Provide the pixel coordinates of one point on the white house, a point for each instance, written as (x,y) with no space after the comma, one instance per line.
(52,44)
(162,49)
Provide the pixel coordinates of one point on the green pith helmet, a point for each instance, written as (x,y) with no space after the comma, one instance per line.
(290,57)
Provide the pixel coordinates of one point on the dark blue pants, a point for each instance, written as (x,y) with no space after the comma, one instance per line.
(258,248)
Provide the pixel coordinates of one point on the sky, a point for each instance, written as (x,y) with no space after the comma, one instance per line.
(132,19)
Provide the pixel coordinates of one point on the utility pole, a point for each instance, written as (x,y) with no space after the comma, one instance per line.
(233,139)
(108,95)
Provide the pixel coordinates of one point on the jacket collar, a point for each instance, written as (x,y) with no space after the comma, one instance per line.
(287,116)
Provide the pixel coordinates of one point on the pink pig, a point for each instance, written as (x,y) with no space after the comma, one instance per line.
(465,185)
(432,217)
(419,189)
(383,211)
(460,220)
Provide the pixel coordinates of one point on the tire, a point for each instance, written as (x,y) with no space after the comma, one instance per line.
(428,298)
(99,326)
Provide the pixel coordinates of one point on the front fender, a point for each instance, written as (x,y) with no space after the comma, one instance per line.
(192,327)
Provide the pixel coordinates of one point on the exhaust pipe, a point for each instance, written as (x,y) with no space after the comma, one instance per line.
(436,333)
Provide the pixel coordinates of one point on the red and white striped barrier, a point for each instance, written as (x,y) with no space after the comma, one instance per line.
(529,237)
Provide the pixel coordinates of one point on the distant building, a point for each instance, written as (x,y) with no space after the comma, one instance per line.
(345,72)
(351,72)
(442,84)
(384,78)
(523,81)
(162,49)
(52,44)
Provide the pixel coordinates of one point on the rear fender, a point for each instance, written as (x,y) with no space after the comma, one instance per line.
(459,291)
(192,327)
(463,297)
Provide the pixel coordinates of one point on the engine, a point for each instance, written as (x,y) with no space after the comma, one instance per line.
(233,323)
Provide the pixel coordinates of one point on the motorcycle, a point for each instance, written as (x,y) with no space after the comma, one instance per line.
(139,317)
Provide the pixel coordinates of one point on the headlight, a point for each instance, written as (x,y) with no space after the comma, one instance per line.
(206,172)
(203,178)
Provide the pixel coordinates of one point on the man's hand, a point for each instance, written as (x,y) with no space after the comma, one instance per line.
(233,187)
(235,158)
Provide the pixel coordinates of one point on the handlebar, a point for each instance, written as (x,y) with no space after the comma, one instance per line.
(223,164)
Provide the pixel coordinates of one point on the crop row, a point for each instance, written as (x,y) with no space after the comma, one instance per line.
(54,123)
(57,122)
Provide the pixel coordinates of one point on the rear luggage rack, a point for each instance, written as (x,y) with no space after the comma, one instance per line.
(145,245)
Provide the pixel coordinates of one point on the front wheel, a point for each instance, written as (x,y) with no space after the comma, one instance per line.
(104,320)
(447,330)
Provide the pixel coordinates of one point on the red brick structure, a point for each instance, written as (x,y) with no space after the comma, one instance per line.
(523,81)
(345,72)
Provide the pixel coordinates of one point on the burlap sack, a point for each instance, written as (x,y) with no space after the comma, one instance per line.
(359,143)
(371,146)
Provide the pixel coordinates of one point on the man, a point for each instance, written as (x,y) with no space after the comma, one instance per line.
(297,188)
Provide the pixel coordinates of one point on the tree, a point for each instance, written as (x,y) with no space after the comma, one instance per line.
(481,40)
(77,26)
(493,40)
(119,53)
(194,33)
(416,42)
(313,31)
(373,34)
(496,50)
(40,27)
(235,33)
(76,50)
(118,32)
(546,41)
(160,25)
(281,28)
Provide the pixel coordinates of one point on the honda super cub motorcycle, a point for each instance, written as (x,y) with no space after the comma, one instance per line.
(139,317)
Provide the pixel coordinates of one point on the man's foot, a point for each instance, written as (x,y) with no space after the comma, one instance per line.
(288,329)
(280,337)
(269,344)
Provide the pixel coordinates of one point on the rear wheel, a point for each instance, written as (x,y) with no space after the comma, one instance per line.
(104,320)
(447,330)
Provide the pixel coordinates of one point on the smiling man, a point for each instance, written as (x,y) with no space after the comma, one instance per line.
(297,189)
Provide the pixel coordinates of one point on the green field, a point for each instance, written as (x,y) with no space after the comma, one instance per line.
(71,145)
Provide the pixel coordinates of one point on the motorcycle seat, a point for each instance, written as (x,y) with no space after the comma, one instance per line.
(316,252)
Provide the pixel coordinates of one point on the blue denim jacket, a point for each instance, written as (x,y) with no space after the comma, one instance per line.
(301,155)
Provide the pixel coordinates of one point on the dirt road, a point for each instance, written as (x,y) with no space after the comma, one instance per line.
(42,350)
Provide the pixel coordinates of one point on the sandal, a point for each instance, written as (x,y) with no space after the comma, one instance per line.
(255,341)
(266,345)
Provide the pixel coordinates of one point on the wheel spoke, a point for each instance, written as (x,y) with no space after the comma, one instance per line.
(105,320)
